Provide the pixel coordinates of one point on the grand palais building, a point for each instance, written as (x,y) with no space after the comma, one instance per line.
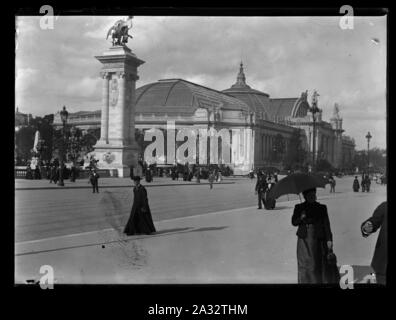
(267,120)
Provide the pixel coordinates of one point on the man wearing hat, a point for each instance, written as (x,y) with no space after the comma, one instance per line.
(140,221)
(261,189)
(93,178)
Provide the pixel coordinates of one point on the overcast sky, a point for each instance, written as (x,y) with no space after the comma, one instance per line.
(282,56)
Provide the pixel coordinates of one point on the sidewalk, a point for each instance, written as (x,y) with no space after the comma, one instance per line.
(192,249)
(25,184)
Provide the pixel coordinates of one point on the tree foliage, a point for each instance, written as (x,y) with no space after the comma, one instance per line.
(377,159)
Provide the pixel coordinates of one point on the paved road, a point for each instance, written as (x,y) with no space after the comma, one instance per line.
(48,213)
(235,246)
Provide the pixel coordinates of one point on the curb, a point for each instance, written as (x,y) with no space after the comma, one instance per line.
(124,186)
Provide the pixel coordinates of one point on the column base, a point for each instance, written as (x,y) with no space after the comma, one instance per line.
(119,160)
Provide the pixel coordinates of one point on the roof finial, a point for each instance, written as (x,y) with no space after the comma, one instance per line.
(241,79)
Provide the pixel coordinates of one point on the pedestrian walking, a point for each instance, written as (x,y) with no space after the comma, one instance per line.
(269,201)
(315,239)
(378,220)
(56,174)
(73,173)
(362,183)
(140,220)
(29,174)
(332,184)
(93,179)
(211,178)
(260,190)
(48,170)
(356,185)
(199,175)
(37,172)
(367,183)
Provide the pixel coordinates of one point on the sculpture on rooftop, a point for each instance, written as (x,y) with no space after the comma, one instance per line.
(119,32)
(315,96)
(336,111)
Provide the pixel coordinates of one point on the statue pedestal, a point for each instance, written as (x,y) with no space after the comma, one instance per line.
(118,160)
(116,149)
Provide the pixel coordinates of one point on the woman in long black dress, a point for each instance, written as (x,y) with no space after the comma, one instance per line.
(315,240)
(140,220)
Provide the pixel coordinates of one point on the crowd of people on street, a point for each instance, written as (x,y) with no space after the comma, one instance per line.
(364,184)
(185,172)
(51,170)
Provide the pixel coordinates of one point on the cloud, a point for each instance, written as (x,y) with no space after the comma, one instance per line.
(24,78)
(282,56)
(84,88)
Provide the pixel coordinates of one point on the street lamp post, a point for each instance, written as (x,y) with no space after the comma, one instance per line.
(64,114)
(368,137)
(314,110)
(74,149)
(16,145)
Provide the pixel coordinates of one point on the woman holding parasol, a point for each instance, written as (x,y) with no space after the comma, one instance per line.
(315,258)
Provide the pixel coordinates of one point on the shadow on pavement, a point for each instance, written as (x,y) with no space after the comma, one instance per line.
(209,229)
(171,230)
(280,208)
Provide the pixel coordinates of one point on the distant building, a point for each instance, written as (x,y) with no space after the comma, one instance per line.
(238,107)
(84,120)
(22,119)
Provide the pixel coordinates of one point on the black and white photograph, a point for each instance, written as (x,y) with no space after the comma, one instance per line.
(200,149)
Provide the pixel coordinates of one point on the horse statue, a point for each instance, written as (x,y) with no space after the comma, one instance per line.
(119,32)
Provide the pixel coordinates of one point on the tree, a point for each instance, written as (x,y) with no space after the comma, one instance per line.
(24,141)
(88,141)
(377,159)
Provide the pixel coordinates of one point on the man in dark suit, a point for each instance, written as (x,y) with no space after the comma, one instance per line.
(260,189)
(379,219)
(93,178)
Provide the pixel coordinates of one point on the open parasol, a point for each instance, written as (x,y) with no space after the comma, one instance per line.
(296,183)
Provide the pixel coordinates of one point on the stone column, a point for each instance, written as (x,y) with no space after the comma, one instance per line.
(114,150)
(121,106)
(131,127)
(245,146)
(104,128)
